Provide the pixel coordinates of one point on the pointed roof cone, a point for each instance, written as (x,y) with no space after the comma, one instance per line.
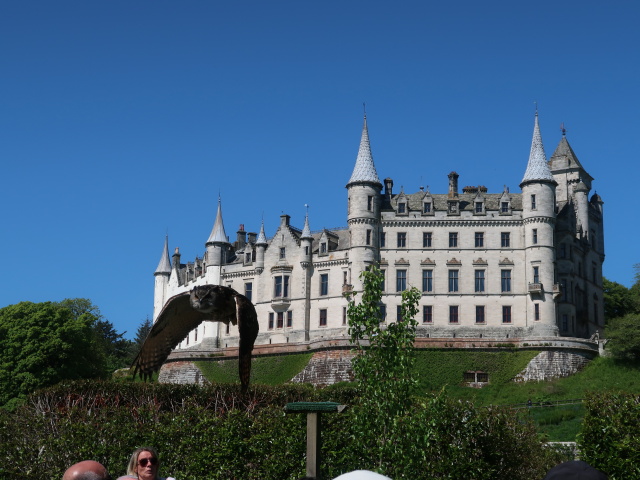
(164,266)
(262,238)
(564,151)
(364,170)
(306,231)
(217,234)
(537,168)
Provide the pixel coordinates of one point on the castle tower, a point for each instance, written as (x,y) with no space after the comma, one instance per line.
(261,246)
(162,274)
(363,214)
(306,242)
(538,211)
(216,247)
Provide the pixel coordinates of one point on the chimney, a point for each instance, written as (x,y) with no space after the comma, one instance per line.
(241,237)
(453,185)
(284,220)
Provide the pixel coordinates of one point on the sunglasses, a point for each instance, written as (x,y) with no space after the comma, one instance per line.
(144,461)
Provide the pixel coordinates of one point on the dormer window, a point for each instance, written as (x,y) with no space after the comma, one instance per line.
(402,207)
(479,208)
(323,247)
(504,207)
(426,207)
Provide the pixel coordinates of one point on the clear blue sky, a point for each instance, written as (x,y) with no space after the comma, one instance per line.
(122,121)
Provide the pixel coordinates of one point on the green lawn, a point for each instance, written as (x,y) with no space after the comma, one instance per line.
(443,369)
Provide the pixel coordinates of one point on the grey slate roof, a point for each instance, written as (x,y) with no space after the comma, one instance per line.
(440,201)
(537,168)
(262,238)
(364,170)
(306,231)
(164,266)
(217,234)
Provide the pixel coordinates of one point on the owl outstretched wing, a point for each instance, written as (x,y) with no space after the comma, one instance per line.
(184,312)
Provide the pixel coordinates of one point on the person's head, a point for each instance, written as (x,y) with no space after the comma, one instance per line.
(575,470)
(144,463)
(86,470)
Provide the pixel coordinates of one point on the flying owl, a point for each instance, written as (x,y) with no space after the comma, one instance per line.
(184,312)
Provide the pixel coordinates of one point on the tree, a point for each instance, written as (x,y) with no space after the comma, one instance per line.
(44,343)
(623,334)
(618,300)
(384,365)
(141,334)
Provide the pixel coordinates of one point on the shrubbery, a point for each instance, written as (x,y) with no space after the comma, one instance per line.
(610,438)
(215,433)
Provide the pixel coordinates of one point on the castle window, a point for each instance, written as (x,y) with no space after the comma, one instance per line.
(536,311)
(453,314)
(402,239)
(426,239)
(344,315)
(479,207)
(280,323)
(479,239)
(505,280)
(383,312)
(228,329)
(426,207)
(324,284)
(344,277)
(383,284)
(248,290)
(282,252)
(504,207)
(289,318)
(535,235)
(383,238)
(427,314)
(401,280)
(453,239)
(480,314)
(536,274)
(453,280)
(323,317)
(270,325)
(565,323)
(323,247)
(505,240)
(506,314)
(427,280)
(594,273)
(281,286)
(399,313)
(368,241)
(370,203)
(479,281)
(402,207)
(247,257)
(533,202)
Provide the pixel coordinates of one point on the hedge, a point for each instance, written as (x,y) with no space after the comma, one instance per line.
(215,433)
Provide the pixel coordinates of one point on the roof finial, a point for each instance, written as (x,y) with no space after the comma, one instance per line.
(364,109)
(535,102)
(563,130)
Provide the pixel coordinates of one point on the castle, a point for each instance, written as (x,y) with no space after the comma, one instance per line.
(489,265)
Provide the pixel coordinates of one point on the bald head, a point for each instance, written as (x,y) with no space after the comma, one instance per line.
(86,470)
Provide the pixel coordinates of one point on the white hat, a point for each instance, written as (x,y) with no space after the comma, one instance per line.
(361,475)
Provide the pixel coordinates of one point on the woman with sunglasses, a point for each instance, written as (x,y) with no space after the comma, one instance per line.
(144,465)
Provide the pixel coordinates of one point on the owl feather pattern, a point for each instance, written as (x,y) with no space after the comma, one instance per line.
(184,312)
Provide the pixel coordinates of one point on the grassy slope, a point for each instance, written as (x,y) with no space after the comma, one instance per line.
(437,369)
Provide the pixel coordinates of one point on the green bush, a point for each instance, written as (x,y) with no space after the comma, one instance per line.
(215,433)
(609,439)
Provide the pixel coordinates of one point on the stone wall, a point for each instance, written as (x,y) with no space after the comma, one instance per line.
(554,364)
(326,368)
(181,372)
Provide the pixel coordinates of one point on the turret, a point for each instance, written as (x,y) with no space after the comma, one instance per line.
(306,241)
(216,246)
(538,212)
(363,192)
(162,274)
(261,246)
(580,193)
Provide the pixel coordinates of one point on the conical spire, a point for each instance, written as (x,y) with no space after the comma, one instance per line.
(262,238)
(164,266)
(306,231)
(217,234)
(365,170)
(537,168)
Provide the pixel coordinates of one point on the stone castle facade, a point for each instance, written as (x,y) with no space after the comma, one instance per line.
(490,265)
